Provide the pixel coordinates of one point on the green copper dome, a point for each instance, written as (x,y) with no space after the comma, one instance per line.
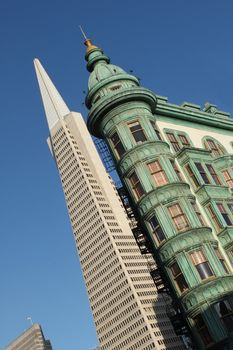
(105,79)
(103,71)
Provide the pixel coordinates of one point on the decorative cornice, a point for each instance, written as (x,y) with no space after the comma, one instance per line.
(184,241)
(207,193)
(163,195)
(206,293)
(199,117)
(108,103)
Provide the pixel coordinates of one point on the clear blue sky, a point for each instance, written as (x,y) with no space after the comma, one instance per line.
(182,49)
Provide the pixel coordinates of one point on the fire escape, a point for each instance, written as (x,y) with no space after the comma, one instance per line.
(157,272)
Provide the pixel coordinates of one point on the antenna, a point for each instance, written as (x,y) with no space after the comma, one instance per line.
(30,320)
(84,35)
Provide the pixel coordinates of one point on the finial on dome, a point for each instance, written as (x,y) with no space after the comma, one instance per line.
(87,41)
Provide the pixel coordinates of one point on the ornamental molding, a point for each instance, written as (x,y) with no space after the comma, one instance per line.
(164,195)
(185,241)
(208,292)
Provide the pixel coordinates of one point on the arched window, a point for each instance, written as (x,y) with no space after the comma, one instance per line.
(178,139)
(214,146)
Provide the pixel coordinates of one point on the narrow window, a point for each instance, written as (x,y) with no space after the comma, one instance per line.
(157,230)
(228,178)
(176,169)
(183,139)
(230,206)
(179,277)
(157,173)
(225,312)
(137,131)
(202,172)
(213,174)
(136,185)
(202,330)
(174,142)
(224,214)
(197,211)
(214,217)
(117,144)
(156,130)
(221,259)
(178,217)
(192,176)
(202,265)
(230,252)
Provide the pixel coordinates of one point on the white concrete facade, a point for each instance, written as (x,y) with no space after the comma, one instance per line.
(31,339)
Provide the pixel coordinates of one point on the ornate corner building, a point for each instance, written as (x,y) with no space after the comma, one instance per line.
(176,164)
(176,167)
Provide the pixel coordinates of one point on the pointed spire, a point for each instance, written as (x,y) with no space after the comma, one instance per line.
(54,106)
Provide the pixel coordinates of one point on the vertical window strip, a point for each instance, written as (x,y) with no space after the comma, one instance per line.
(221,259)
(225,312)
(179,277)
(192,176)
(174,142)
(184,140)
(177,170)
(157,230)
(156,130)
(117,144)
(198,213)
(202,172)
(157,173)
(136,185)
(224,214)
(213,174)
(214,217)
(202,330)
(227,178)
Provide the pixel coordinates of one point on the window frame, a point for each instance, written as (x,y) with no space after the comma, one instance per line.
(224,213)
(177,170)
(213,174)
(198,212)
(136,186)
(214,217)
(140,131)
(225,318)
(178,139)
(156,130)
(175,217)
(202,330)
(158,174)
(201,264)
(157,229)
(115,144)
(195,181)
(178,277)
(216,148)
(227,177)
